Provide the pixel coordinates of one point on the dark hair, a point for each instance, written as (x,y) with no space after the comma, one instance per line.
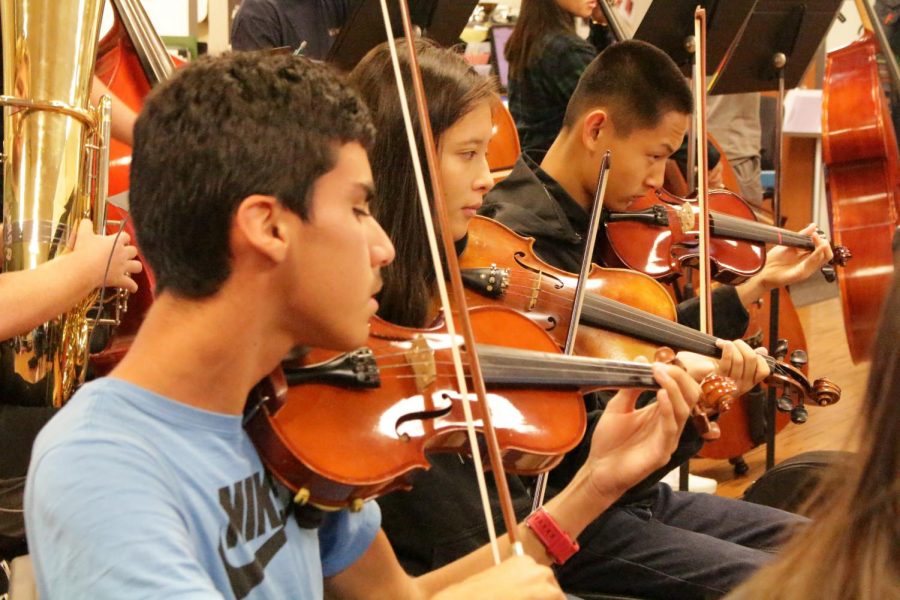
(849,550)
(453,90)
(636,82)
(538,19)
(220,130)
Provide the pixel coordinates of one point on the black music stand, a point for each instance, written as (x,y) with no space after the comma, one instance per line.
(439,20)
(794,28)
(669,26)
(778,42)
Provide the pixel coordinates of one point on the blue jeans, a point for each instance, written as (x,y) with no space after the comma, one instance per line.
(680,545)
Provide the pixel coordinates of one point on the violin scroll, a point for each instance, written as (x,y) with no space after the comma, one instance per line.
(825,392)
(717,394)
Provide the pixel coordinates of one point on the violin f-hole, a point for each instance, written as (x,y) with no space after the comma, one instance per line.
(422,415)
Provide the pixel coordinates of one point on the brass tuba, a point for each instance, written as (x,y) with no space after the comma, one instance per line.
(54,172)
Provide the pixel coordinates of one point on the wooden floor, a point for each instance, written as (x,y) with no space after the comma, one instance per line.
(828,428)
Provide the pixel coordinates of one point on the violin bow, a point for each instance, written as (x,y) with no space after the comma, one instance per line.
(540,488)
(459,301)
(699,81)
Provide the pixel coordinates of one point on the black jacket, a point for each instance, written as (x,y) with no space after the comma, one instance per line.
(533,204)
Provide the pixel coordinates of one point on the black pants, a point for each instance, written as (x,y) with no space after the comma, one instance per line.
(19,425)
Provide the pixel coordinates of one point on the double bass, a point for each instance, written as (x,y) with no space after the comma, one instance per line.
(859,148)
(131,59)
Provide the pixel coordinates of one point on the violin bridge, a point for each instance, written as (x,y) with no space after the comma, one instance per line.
(686,216)
(535,290)
(420,356)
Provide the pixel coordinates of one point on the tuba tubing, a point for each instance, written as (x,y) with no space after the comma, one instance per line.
(53,174)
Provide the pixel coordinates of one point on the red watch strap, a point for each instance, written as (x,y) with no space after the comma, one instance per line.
(556,541)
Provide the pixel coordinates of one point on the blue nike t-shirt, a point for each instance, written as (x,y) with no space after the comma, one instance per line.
(133,495)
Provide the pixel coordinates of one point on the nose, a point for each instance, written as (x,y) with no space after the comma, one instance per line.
(484,181)
(381,249)
(656,176)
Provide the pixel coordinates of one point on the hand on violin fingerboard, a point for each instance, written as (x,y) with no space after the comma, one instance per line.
(629,443)
(786,265)
(739,361)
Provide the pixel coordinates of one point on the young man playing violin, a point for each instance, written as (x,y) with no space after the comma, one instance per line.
(250,191)
(633,101)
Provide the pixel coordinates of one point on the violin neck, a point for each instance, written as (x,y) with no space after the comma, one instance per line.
(610,315)
(526,368)
(722,226)
(726,226)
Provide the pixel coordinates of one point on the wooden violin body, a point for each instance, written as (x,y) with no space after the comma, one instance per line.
(396,400)
(658,237)
(863,182)
(545,294)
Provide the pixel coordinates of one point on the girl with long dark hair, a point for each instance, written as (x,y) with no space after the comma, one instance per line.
(546,59)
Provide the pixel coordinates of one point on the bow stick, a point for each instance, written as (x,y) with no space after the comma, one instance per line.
(464,323)
(706,323)
(540,487)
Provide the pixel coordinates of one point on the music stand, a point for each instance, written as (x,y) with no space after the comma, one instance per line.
(779,41)
(439,20)
(794,28)
(669,26)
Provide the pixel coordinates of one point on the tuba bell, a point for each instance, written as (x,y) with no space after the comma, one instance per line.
(54,174)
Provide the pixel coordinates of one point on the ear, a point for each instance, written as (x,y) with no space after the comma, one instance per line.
(594,130)
(259,226)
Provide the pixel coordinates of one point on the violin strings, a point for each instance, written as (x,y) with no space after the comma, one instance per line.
(726,225)
(623,313)
(554,367)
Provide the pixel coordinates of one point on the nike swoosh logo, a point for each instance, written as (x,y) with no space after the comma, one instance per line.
(244,578)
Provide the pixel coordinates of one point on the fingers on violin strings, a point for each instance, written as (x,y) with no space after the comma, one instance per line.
(726,362)
(623,401)
(669,415)
(673,405)
(749,359)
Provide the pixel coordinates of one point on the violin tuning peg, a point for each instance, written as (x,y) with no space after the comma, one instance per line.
(841,256)
(799,414)
(828,273)
(784,404)
(799,358)
(781,349)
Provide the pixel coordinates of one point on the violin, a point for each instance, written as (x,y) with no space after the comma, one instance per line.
(396,400)
(659,238)
(625,314)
